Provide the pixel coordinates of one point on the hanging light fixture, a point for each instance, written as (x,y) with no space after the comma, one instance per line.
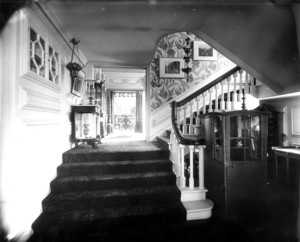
(74,67)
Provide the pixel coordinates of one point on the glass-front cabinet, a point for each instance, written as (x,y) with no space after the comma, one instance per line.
(244,134)
(236,159)
(236,136)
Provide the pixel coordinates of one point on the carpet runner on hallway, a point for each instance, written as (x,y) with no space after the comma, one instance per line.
(112,192)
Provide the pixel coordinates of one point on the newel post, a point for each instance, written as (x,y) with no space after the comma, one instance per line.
(182,166)
(200,149)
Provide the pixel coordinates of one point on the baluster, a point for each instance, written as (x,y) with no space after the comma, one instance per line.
(203,98)
(228,103)
(247,83)
(200,149)
(222,104)
(197,131)
(234,95)
(191,180)
(241,86)
(216,98)
(191,127)
(182,176)
(198,106)
(210,101)
(184,128)
(252,84)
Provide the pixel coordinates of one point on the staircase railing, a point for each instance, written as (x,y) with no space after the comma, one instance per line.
(223,94)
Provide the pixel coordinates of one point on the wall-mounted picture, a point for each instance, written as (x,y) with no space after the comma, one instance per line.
(202,51)
(78,83)
(171,67)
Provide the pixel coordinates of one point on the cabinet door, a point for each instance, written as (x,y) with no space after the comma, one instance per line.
(218,137)
(245,137)
(237,141)
(255,138)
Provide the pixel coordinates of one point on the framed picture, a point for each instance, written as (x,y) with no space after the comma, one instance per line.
(171,67)
(202,51)
(78,83)
(97,73)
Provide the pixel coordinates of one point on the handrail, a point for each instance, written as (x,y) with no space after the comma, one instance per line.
(182,140)
(195,140)
(208,86)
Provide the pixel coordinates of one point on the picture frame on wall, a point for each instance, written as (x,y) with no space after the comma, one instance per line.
(203,51)
(171,67)
(78,83)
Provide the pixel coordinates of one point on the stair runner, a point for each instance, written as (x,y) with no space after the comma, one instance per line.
(110,193)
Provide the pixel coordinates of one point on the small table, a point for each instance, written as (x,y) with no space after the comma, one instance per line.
(287,152)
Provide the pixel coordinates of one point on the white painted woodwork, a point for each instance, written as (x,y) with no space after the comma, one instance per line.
(252,85)
(34,119)
(191,179)
(182,167)
(222,103)
(241,86)
(216,98)
(191,125)
(246,85)
(234,95)
(228,103)
(200,151)
(210,109)
(204,104)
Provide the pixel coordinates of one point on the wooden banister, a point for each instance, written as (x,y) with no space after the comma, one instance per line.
(208,86)
(195,139)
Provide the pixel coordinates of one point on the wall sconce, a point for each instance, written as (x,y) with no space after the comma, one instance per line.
(187,58)
(74,67)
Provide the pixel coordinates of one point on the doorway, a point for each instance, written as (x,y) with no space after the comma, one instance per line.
(126,97)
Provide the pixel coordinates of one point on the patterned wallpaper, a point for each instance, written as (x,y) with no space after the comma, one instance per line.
(165,89)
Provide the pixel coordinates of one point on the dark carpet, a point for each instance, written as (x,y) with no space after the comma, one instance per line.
(127,192)
(111,191)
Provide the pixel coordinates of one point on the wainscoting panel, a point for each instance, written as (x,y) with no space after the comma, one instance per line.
(295,113)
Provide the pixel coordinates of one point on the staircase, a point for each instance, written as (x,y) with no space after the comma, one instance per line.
(112,192)
(225,93)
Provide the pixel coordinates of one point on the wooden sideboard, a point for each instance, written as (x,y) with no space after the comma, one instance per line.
(287,152)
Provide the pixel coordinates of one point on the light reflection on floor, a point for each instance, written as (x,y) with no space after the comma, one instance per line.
(123,136)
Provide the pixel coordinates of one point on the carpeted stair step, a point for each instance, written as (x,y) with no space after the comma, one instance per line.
(98,182)
(134,151)
(111,198)
(164,141)
(106,217)
(113,167)
(110,190)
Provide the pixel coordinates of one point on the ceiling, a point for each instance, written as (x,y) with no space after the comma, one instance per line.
(126,33)
(116,33)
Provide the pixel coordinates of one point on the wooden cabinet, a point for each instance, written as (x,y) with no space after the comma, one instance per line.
(86,124)
(238,136)
(236,159)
